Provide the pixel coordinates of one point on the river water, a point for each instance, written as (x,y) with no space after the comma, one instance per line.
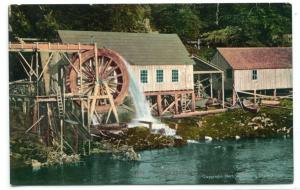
(252,161)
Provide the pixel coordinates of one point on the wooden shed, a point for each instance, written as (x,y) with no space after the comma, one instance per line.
(160,63)
(249,69)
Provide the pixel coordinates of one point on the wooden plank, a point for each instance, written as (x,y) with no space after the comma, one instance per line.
(206,72)
(40,46)
(170,92)
(198,113)
(260,95)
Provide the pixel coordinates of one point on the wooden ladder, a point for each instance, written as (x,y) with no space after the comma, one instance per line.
(60,104)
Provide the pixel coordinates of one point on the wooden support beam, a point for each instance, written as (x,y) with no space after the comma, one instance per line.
(170,92)
(76,138)
(259,95)
(31,69)
(170,106)
(72,65)
(61,136)
(50,47)
(198,113)
(33,125)
(176,104)
(193,102)
(111,101)
(233,97)
(223,92)
(206,72)
(275,93)
(211,86)
(45,65)
(159,107)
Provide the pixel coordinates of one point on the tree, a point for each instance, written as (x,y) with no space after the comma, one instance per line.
(24,23)
(130,18)
(178,19)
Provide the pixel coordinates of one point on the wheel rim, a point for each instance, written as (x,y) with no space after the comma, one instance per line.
(111,70)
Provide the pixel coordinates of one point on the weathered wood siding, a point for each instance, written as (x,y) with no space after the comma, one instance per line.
(266,79)
(221,63)
(185,77)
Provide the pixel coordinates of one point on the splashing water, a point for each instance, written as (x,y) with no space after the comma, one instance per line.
(142,108)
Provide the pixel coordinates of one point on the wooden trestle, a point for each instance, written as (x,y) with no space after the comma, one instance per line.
(45,94)
(175,102)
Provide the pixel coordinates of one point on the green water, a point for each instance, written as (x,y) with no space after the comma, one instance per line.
(253,161)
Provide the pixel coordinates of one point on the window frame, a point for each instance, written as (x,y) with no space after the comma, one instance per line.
(254,74)
(172,76)
(142,76)
(158,77)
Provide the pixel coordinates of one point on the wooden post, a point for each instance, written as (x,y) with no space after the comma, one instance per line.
(45,60)
(89,125)
(80,70)
(223,91)
(159,107)
(233,97)
(193,102)
(75,146)
(61,136)
(24,106)
(35,115)
(176,104)
(211,86)
(96,63)
(37,72)
(254,96)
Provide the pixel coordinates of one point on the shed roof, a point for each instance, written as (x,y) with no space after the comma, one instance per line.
(258,58)
(136,48)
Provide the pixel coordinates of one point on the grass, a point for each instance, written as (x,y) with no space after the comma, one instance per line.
(237,123)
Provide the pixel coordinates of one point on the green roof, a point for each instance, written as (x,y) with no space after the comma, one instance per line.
(136,48)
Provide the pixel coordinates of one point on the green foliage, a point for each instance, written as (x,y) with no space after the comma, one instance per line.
(178,19)
(229,35)
(130,18)
(239,25)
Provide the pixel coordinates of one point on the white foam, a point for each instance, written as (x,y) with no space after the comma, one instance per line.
(142,108)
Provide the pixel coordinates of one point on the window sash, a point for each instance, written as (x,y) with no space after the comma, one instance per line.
(159,75)
(175,75)
(254,74)
(144,76)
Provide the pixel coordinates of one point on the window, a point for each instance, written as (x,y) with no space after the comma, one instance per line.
(159,75)
(229,73)
(175,75)
(144,76)
(254,74)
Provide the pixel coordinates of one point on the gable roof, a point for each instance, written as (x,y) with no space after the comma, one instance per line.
(258,58)
(136,48)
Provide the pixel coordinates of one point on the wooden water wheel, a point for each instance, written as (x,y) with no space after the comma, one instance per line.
(111,78)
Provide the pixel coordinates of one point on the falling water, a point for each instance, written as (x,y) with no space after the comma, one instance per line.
(142,108)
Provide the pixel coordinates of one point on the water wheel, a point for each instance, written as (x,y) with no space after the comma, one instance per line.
(112,77)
